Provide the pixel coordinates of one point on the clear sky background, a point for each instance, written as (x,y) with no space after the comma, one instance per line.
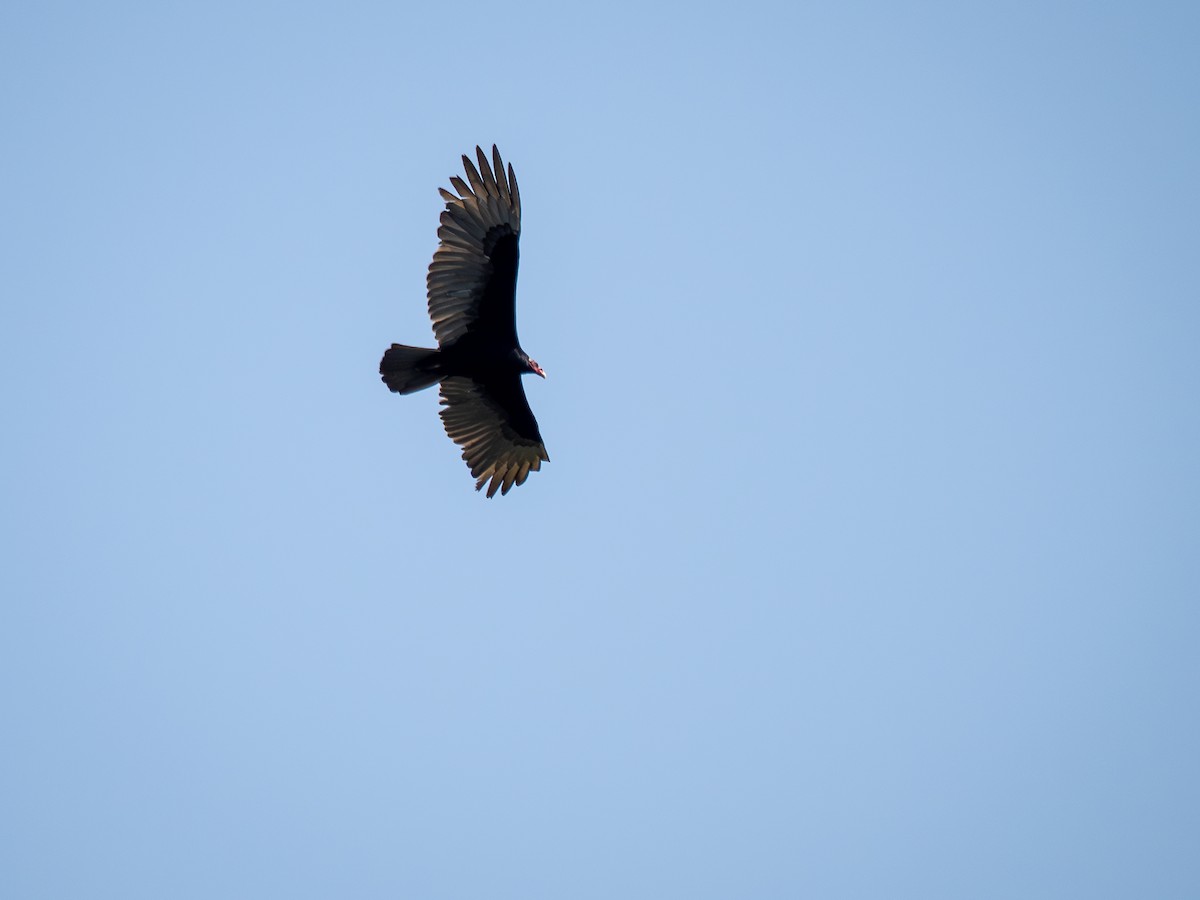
(868,561)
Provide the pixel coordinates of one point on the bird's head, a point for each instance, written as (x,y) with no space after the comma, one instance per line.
(525,364)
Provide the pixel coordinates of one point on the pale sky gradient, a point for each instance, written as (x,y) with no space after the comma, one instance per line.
(868,561)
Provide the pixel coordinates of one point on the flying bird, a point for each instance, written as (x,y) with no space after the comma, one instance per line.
(478,362)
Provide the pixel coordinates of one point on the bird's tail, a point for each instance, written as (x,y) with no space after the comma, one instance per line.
(407,369)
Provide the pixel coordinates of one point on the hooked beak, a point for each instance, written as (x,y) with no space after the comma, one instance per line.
(537,370)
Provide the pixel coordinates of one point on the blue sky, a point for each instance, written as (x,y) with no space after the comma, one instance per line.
(866,564)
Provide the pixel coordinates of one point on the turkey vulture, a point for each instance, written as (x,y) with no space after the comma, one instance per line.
(478,362)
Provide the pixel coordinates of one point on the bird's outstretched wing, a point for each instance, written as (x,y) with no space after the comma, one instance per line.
(473,277)
(493,424)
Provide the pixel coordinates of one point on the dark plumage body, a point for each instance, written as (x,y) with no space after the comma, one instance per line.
(472,302)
